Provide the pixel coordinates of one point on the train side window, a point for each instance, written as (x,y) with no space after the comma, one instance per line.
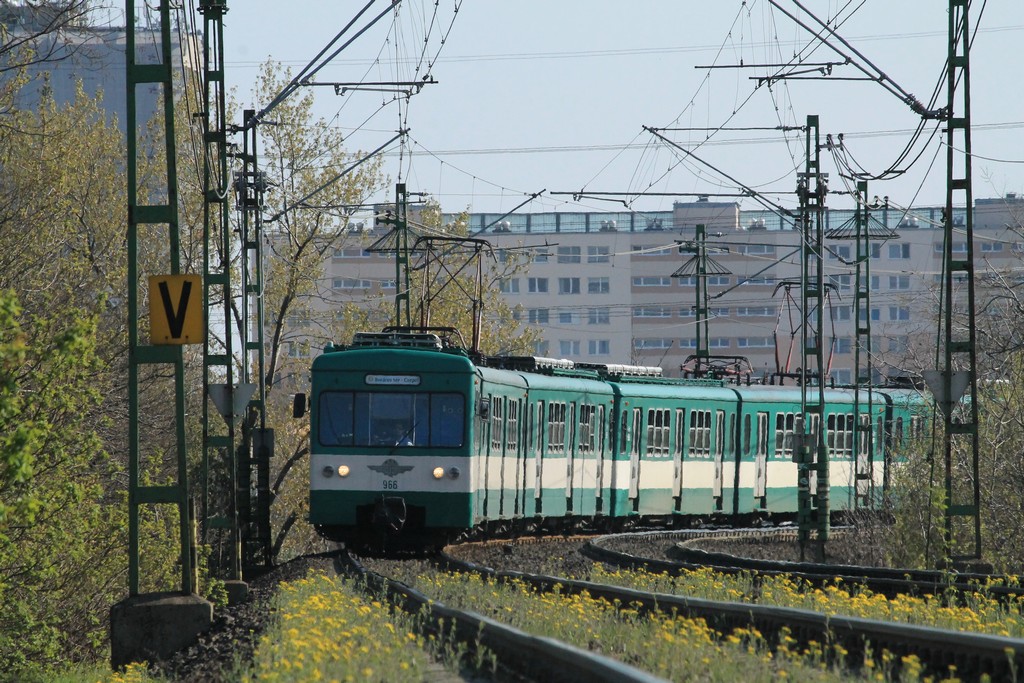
(897,432)
(624,432)
(916,426)
(556,428)
(785,426)
(657,432)
(600,428)
(586,434)
(700,433)
(864,436)
(815,428)
(513,426)
(497,423)
(839,435)
(637,433)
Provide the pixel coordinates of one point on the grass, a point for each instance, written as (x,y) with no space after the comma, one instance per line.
(670,646)
(980,613)
(329,631)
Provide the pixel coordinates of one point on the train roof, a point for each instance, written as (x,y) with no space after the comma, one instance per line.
(393,358)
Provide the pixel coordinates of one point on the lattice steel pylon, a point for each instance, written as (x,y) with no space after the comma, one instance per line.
(956,387)
(218,473)
(699,267)
(162,213)
(863,232)
(235,437)
(812,456)
(257,443)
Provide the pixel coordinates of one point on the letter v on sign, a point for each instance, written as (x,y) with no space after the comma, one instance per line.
(176,309)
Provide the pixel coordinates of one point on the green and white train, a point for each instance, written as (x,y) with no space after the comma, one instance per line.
(414,443)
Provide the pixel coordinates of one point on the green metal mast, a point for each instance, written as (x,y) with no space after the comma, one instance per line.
(402,282)
(143,221)
(219,497)
(960,420)
(862,357)
(812,507)
(702,294)
(862,232)
(699,266)
(257,439)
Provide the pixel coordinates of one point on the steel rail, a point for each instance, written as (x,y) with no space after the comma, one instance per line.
(972,654)
(951,586)
(533,657)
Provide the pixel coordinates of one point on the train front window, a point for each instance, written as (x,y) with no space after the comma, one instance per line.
(392,419)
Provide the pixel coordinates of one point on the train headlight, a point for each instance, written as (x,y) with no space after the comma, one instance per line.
(343,470)
(454,472)
(328,471)
(438,472)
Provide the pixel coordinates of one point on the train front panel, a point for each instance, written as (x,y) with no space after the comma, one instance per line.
(391,438)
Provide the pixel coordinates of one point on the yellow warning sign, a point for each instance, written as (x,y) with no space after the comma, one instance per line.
(176,309)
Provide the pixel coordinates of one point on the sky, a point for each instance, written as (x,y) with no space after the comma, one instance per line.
(552,97)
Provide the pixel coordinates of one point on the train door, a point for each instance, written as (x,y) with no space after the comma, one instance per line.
(599,463)
(636,424)
(510,465)
(481,441)
(743,451)
(528,453)
(585,467)
(495,458)
(716,484)
(570,457)
(881,445)
(677,458)
(538,459)
(734,460)
(863,475)
(814,434)
(761,461)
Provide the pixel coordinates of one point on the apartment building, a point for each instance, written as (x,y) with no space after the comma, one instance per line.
(603,286)
(93,56)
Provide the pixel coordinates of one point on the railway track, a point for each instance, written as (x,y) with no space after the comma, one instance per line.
(949,586)
(973,655)
(520,656)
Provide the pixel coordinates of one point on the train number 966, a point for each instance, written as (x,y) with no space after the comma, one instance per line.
(390,485)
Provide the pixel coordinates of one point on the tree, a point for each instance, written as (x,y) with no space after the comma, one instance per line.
(25,26)
(63,534)
(299,154)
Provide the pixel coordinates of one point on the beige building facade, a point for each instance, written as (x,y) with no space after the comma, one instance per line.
(602,287)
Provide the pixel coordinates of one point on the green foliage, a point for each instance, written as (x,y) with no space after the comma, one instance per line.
(18,505)
(58,535)
(914,535)
(63,509)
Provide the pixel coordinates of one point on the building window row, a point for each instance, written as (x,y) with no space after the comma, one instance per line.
(571,347)
(348,283)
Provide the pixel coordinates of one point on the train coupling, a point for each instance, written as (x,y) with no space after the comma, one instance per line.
(389,514)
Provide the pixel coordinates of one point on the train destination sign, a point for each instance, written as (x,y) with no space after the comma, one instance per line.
(394,380)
